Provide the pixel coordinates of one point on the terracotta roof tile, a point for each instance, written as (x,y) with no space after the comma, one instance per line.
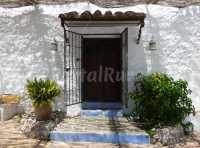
(99,16)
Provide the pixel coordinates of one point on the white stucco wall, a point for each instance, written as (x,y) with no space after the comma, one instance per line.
(27,33)
(27,50)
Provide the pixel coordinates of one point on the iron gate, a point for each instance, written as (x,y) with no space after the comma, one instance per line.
(72,67)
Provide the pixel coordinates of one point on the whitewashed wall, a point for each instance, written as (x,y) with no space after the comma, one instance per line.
(26,51)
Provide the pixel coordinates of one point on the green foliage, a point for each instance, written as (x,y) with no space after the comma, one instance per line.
(42,92)
(151,132)
(160,100)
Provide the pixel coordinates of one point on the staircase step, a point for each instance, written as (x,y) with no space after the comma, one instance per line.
(114,138)
(99,130)
(102,113)
(56,144)
(101,105)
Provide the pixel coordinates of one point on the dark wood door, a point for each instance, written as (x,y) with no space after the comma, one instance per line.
(102,65)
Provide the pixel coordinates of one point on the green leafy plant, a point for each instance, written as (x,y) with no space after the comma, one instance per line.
(151,132)
(160,100)
(188,128)
(42,92)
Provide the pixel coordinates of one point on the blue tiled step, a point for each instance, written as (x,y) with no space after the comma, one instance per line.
(115,138)
(99,130)
(101,105)
(102,113)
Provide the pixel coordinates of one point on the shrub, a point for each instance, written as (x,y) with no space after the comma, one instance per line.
(42,92)
(160,100)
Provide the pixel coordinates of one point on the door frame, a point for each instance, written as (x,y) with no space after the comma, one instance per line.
(124,60)
(101,105)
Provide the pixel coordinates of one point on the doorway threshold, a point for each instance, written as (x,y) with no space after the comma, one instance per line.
(101,105)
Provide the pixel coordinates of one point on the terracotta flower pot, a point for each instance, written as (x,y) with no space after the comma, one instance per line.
(43,112)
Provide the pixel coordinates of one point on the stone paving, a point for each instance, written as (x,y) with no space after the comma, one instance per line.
(12,137)
(189,142)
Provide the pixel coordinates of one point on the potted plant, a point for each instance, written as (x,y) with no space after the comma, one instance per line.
(42,93)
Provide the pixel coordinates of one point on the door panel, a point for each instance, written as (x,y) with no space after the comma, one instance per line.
(102,64)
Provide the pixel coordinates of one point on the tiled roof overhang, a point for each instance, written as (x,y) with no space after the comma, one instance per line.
(108,16)
(99,16)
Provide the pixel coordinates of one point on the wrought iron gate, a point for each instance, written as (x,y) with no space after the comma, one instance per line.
(72,67)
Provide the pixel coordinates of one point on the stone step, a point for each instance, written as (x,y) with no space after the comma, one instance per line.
(101,105)
(100,130)
(56,144)
(102,113)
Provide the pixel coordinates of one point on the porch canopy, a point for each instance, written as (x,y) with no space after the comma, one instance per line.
(108,16)
(103,3)
(76,42)
(99,16)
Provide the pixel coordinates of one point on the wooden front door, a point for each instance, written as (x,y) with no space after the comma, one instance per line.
(102,70)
